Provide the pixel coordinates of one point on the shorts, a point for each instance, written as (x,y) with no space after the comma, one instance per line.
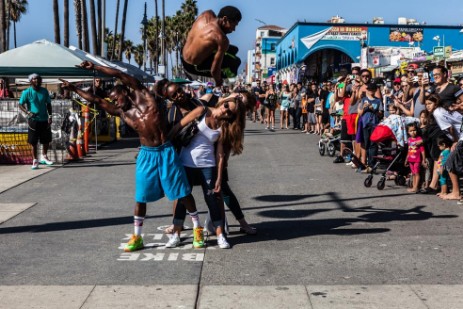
(284,108)
(38,130)
(351,122)
(325,117)
(443,178)
(415,167)
(345,137)
(454,161)
(311,118)
(159,173)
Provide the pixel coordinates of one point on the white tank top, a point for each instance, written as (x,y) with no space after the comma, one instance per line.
(200,152)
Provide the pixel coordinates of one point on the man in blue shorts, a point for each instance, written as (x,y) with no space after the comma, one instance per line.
(159,172)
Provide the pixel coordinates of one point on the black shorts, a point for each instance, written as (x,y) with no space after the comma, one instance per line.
(230,64)
(325,117)
(38,130)
(345,138)
(454,161)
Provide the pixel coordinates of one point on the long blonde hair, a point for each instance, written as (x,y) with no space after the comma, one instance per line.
(232,136)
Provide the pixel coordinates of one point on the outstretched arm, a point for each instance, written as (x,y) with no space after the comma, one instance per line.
(108,107)
(126,79)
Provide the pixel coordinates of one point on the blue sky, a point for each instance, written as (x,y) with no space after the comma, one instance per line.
(38,22)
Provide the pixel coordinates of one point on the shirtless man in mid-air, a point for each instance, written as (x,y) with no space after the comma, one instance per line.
(207,51)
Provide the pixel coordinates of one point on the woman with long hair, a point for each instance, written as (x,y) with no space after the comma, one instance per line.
(203,158)
(271,97)
(285,98)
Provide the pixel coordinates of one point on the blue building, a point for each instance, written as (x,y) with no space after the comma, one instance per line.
(319,50)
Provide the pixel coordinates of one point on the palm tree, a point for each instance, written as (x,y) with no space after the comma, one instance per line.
(111,56)
(17,9)
(66,22)
(138,55)
(128,49)
(8,24)
(121,39)
(93,27)
(56,22)
(85,39)
(78,13)
(2,27)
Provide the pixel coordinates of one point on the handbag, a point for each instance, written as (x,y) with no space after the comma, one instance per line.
(186,134)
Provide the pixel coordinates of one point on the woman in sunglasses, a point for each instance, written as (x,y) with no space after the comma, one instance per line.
(203,158)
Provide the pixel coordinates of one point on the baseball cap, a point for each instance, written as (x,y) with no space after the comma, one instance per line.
(412,67)
(32,76)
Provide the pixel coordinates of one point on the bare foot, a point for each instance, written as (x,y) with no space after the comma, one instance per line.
(411,190)
(450,196)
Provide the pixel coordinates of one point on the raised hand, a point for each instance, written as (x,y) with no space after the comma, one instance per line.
(87,65)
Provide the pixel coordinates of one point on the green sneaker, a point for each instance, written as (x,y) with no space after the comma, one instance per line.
(135,243)
(198,237)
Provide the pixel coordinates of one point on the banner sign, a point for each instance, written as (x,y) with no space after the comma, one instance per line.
(346,33)
(405,34)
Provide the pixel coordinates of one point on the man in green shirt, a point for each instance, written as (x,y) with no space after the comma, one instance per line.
(36,103)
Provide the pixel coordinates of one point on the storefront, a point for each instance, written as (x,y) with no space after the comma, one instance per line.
(321,50)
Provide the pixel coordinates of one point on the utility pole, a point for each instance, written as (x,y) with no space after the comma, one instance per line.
(144,22)
(162,65)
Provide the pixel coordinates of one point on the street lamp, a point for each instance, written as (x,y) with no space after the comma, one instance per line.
(144,22)
(437,38)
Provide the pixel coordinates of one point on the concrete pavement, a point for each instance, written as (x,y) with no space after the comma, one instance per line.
(324,240)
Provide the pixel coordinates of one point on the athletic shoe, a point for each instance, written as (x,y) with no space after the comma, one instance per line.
(135,243)
(222,242)
(174,241)
(35,164)
(350,163)
(339,159)
(198,237)
(44,160)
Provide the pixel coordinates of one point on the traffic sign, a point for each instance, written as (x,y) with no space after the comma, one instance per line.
(438,51)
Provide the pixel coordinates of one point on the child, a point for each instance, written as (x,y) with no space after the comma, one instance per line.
(415,155)
(427,172)
(444,145)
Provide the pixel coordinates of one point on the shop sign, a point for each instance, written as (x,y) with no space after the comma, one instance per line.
(405,34)
(346,33)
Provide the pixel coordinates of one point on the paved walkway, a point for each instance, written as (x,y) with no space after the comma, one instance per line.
(213,294)
(211,297)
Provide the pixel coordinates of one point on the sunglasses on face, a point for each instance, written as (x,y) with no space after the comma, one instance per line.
(365,76)
(461,84)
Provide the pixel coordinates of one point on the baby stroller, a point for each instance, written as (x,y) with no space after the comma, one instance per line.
(330,142)
(390,135)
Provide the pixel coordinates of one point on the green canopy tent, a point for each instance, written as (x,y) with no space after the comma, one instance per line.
(42,57)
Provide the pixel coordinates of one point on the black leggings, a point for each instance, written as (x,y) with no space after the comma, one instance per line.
(229,197)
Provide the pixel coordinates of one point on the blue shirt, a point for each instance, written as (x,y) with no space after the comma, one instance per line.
(37,101)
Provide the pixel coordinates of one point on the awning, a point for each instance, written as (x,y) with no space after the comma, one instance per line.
(388,68)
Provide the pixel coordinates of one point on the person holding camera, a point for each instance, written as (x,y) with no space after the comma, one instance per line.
(36,103)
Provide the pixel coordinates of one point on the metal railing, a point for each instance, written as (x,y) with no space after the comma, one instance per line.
(14,148)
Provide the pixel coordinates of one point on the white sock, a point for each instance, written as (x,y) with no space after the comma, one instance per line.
(138,225)
(195,218)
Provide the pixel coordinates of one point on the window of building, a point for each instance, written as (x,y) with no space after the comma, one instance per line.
(272,61)
(272,46)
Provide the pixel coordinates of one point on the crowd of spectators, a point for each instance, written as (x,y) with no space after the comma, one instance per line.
(423,107)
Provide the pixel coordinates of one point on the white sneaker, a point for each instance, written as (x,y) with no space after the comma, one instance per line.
(44,160)
(222,242)
(350,163)
(35,164)
(174,241)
